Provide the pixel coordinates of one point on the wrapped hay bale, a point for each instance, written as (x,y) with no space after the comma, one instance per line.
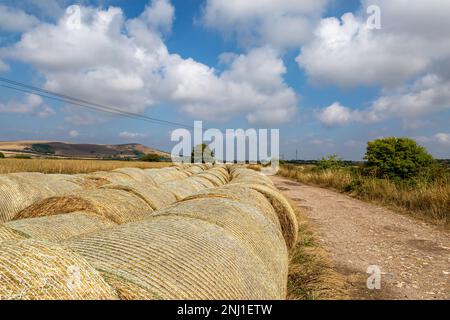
(250,176)
(117,206)
(20,190)
(214,177)
(284,210)
(9,234)
(206,183)
(183,188)
(36,270)
(243,194)
(194,169)
(60,227)
(137,175)
(155,197)
(16,194)
(252,228)
(111,177)
(160,176)
(176,258)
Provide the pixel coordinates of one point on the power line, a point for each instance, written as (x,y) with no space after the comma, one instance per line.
(22,87)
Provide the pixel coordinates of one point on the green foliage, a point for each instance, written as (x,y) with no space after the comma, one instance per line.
(22,156)
(2,156)
(138,154)
(397,158)
(330,162)
(151,157)
(43,148)
(202,153)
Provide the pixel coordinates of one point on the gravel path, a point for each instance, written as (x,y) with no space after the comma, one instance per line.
(414,257)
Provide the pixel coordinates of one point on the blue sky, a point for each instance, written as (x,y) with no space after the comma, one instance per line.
(313,69)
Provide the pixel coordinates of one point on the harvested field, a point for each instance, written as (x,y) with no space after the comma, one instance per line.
(70,166)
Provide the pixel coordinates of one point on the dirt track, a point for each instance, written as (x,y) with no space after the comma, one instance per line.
(414,257)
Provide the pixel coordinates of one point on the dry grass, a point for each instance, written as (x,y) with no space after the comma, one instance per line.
(71,166)
(426,200)
(311,274)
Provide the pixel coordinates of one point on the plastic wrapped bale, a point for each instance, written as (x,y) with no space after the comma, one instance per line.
(35,270)
(284,210)
(155,197)
(10,234)
(176,258)
(118,206)
(160,176)
(246,223)
(243,194)
(60,227)
(183,188)
(137,174)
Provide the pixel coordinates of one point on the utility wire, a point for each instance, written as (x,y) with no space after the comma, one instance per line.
(22,87)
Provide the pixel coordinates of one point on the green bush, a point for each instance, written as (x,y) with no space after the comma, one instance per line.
(151,157)
(331,162)
(2,156)
(397,158)
(43,148)
(22,156)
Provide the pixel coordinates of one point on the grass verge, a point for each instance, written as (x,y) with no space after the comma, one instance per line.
(311,274)
(429,201)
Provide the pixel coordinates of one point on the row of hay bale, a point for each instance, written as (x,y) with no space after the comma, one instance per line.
(21,190)
(60,217)
(223,242)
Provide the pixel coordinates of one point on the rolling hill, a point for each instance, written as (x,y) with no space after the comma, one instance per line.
(70,150)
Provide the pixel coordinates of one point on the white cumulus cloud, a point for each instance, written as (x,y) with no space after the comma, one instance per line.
(413,40)
(16,20)
(337,114)
(280,23)
(131,135)
(73,133)
(31,104)
(124,63)
(428,94)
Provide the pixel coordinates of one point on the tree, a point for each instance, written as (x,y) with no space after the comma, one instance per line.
(2,155)
(151,157)
(332,162)
(397,158)
(202,153)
